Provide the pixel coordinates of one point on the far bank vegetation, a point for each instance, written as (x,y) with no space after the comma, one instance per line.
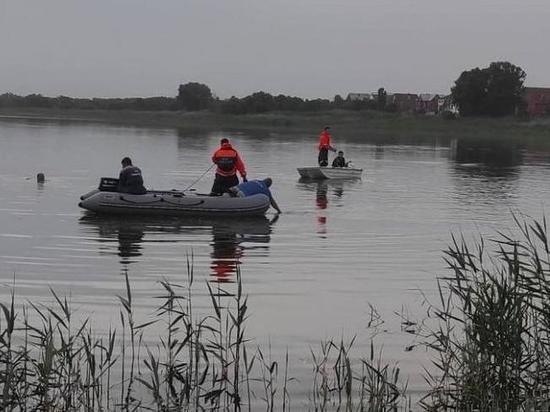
(493,91)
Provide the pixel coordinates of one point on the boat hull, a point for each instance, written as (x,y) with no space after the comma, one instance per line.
(320,173)
(173,203)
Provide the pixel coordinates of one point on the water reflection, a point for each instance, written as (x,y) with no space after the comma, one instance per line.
(230,237)
(321,199)
(379,151)
(324,189)
(487,158)
(229,241)
(485,172)
(128,233)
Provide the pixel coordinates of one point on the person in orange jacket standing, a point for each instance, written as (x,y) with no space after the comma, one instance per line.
(229,162)
(324,147)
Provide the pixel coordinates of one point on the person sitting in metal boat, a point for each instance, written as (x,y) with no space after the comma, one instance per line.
(254,187)
(229,162)
(130,179)
(339,161)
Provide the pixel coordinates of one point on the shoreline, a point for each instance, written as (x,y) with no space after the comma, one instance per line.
(380,126)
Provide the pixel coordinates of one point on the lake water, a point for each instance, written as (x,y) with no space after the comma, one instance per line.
(310,274)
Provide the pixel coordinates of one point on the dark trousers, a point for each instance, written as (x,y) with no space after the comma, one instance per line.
(323,157)
(223,183)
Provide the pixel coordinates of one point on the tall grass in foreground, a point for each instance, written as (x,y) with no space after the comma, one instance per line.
(492,342)
(47,363)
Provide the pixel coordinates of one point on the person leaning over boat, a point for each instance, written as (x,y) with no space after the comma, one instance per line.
(324,147)
(229,162)
(339,161)
(254,187)
(130,179)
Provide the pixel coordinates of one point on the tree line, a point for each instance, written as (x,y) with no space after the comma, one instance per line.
(493,91)
(191,97)
(64,102)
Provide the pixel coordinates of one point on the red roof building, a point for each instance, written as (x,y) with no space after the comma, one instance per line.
(538,101)
(427,103)
(404,102)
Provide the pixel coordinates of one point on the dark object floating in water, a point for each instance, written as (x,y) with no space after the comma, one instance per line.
(40,178)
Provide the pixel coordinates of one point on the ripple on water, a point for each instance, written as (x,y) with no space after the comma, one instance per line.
(310,274)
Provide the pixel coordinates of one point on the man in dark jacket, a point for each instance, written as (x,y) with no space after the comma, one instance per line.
(339,161)
(130,179)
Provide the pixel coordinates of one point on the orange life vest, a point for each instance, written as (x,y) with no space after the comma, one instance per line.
(228,161)
(324,140)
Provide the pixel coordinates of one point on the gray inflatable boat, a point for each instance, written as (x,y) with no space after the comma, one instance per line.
(107,200)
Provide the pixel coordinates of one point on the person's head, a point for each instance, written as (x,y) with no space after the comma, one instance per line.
(225,140)
(340,153)
(126,162)
(268,181)
(327,128)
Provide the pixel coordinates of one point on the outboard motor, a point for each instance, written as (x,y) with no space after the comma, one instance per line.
(108,184)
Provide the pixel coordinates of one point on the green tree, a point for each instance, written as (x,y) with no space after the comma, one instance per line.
(234,105)
(194,96)
(504,88)
(259,102)
(470,92)
(338,101)
(494,91)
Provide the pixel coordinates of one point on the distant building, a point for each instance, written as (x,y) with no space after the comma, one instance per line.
(352,97)
(427,103)
(404,102)
(537,100)
(445,104)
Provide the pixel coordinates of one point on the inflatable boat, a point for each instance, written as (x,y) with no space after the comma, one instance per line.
(317,173)
(107,200)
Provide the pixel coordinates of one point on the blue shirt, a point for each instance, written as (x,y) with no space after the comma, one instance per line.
(254,187)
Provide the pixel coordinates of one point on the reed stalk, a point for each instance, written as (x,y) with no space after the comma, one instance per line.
(198,363)
(492,335)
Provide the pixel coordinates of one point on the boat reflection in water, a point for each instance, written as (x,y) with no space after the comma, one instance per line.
(321,201)
(230,238)
(229,241)
(325,190)
(127,232)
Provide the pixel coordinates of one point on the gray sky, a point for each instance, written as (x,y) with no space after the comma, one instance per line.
(307,48)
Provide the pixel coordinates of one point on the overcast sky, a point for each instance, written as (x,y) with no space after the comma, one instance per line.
(307,48)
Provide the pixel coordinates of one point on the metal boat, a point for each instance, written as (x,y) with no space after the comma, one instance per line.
(318,173)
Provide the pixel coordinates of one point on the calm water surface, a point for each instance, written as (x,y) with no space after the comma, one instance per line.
(310,274)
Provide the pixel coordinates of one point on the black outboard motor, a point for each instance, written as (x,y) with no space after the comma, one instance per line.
(108,184)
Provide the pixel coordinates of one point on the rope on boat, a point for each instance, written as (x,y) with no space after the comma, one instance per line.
(200,177)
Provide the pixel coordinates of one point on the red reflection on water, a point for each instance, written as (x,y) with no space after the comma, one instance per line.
(226,255)
(223,269)
(322,201)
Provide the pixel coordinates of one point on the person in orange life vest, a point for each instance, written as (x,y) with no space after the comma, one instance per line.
(229,162)
(324,147)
